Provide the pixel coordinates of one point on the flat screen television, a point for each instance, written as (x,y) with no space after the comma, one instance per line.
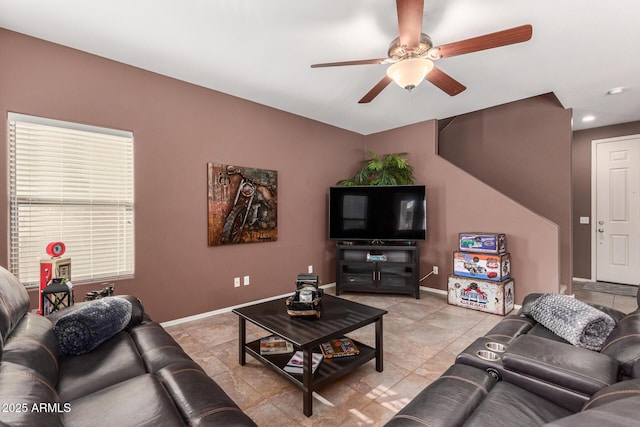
(370,213)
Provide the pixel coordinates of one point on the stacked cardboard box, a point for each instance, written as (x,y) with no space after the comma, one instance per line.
(481,278)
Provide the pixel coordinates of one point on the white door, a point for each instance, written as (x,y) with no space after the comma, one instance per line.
(617,216)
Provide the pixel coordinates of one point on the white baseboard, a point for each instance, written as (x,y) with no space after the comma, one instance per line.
(434,291)
(228,309)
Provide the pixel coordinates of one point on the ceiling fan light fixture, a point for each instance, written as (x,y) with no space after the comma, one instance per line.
(409,73)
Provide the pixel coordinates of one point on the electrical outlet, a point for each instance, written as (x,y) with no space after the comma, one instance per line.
(435,269)
(236,282)
(246,280)
(310,269)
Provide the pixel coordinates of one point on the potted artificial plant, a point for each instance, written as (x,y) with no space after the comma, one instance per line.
(388,169)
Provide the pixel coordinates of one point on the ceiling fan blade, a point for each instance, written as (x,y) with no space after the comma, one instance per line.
(488,41)
(410,21)
(445,82)
(375,91)
(357,62)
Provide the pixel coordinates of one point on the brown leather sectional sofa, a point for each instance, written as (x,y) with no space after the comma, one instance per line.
(138,377)
(522,374)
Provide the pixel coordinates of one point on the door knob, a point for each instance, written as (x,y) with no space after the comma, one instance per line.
(601,230)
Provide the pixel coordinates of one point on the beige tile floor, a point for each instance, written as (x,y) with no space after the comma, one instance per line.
(421,339)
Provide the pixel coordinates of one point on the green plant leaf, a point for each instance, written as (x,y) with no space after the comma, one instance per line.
(390,169)
(346,183)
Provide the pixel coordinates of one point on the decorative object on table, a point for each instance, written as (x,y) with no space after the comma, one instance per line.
(295,364)
(388,169)
(340,347)
(82,330)
(491,243)
(305,302)
(481,278)
(107,291)
(242,204)
(273,344)
(54,267)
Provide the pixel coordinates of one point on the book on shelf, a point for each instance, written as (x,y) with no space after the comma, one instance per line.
(294,365)
(339,347)
(273,344)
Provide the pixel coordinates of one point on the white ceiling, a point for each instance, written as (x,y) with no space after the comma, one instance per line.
(261,50)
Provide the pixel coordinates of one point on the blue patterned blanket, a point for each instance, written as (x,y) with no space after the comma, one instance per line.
(90,325)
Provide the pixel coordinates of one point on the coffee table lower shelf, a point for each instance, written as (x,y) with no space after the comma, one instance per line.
(328,371)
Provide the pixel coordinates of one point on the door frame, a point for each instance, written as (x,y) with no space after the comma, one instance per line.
(594,181)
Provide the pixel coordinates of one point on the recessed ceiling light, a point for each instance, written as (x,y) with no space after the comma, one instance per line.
(615,91)
(588,118)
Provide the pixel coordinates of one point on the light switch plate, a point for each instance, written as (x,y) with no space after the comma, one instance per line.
(584,220)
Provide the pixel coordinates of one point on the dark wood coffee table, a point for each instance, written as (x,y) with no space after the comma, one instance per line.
(338,317)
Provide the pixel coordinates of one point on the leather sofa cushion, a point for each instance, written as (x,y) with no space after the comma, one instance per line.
(509,406)
(115,360)
(20,389)
(200,400)
(617,391)
(34,345)
(624,343)
(539,330)
(14,303)
(635,372)
(448,401)
(573,368)
(157,348)
(620,413)
(511,327)
(139,401)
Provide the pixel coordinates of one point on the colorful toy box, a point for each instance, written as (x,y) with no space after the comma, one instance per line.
(481,295)
(482,266)
(491,243)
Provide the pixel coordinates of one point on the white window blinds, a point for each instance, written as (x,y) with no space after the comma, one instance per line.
(74,184)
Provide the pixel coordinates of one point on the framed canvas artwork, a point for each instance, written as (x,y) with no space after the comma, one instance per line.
(242,204)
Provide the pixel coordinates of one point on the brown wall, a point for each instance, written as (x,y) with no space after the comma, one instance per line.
(522,149)
(458,202)
(179,127)
(581,182)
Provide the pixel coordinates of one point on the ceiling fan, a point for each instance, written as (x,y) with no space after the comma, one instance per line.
(412,53)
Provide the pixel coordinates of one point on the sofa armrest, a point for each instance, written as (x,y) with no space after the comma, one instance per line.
(448,401)
(573,368)
(511,327)
(616,405)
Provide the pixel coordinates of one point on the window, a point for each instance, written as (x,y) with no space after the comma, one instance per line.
(70,183)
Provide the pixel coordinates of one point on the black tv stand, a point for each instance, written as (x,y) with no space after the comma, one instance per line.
(378,269)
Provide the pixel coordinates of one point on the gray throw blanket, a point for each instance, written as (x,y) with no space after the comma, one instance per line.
(84,329)
(575,321)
